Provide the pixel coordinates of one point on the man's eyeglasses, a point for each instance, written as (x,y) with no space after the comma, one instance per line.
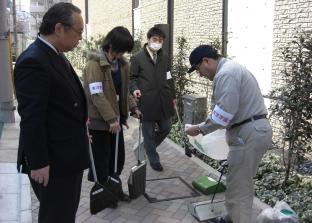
(79,32)
(198,65)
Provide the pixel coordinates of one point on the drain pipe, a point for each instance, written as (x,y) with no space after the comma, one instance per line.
(86,18)
(224,27)
(132,14)
(170,14)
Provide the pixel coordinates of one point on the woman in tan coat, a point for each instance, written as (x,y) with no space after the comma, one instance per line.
(106,83)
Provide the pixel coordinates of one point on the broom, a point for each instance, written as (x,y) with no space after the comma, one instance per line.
(100,196)
(114,183)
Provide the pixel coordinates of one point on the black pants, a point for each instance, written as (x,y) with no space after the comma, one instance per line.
(103,148)
(59,200)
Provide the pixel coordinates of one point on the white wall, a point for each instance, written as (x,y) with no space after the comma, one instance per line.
(250,43)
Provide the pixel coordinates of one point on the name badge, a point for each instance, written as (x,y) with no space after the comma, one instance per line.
(96,88)
(169,75)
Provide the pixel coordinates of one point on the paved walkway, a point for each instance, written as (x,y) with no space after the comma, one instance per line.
(175,163)
(15,200)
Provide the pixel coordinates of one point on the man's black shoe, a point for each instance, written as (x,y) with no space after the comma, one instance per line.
(157,166)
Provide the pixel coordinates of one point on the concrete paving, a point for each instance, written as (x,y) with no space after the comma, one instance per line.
(15,199)
(175,164)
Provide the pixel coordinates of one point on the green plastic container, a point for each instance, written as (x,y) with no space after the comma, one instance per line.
(207,185)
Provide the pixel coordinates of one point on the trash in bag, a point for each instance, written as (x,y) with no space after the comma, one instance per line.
(212,145)
(280,213)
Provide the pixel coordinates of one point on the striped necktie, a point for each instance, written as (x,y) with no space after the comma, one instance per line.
(154,57)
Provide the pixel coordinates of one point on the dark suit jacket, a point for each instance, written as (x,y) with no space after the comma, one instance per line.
(53,113)
(158,92)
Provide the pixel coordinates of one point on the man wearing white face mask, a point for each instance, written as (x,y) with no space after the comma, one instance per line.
(152,84)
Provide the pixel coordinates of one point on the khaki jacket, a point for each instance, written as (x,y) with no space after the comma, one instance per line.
(103,108)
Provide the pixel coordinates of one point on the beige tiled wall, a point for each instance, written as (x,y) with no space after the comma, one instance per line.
(288,15)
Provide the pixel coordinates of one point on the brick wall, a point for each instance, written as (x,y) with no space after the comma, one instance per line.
(288,15)
(152,12)
(200,21)
(105,15)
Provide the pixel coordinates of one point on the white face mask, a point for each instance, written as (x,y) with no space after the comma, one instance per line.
(155,46)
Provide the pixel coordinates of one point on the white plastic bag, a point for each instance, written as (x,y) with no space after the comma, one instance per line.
(213,145)
(281,213)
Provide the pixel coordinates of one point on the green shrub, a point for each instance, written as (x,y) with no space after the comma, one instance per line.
(292,104)
(298,193)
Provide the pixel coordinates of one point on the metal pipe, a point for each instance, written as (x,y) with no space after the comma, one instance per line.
(132,14)
(86,17)
(224,27)
(170,20)
(15,30)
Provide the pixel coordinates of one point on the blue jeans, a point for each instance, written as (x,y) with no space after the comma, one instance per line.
(153,138)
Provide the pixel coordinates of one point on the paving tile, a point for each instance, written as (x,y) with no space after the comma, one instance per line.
(81,210)
(188,219)
(9,206)
(162,213)
(26,216)
(10,183)
(132,217)
(94,219)
(119,220)
(8,168)
(144,211)
(111,216)
(151,218)
(163,219)
(174,207)
(130,221)
(180,214)
(104,213)
(81,218)
(25,198)
(8,144)
(7,155)
(127,210)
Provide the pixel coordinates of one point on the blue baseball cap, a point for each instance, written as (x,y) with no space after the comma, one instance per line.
(199,53)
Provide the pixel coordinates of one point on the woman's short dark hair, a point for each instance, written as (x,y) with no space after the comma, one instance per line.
(119,40)
(154,31)
(58,13)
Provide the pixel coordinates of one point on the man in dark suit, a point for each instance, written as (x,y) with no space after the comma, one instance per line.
(53,146)
(153,85)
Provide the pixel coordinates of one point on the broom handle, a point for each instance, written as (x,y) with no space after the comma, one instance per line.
(116,151)
(179,120)
(184,137)
(91,158)
(140,129)
(223,165)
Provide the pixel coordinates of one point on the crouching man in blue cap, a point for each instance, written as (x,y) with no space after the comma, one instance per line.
(238,107)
